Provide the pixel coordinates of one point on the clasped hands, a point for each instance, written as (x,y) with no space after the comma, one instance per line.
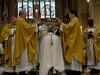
(90,34)
(11,35)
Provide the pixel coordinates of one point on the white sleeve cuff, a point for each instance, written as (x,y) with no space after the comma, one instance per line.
(36,29)
(61,27)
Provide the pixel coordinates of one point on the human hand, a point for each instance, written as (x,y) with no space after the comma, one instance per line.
(59,24)
(11,35)
(39,23)
(90,35)
(90,32)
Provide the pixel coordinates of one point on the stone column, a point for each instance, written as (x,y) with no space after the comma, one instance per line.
(59,8)
(13,8)
(36,10)
(0,8)
(5,11)
(74,5)
(83,12)
(0,15)
(94,9)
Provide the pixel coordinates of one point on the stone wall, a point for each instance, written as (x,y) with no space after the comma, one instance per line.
(83,12)
(94,9)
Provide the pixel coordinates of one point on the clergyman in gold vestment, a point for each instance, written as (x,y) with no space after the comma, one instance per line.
(91,37)
(72,44)
(8,37)
(25,44)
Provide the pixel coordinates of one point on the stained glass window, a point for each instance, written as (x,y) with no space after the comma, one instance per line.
(26,5)
(42,9)
(47,8)
(52,8)
(19,5)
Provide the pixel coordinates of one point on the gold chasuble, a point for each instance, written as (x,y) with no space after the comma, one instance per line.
(72,41)
(25,37)
(96,44)
(8,44)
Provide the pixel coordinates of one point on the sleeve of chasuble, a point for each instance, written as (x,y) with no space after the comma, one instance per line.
(68,28)
(61,28)
(84,35)
(4,34)
(36,29)
(97,35)
(29,29)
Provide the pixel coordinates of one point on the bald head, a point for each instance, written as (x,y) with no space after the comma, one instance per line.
(22,13)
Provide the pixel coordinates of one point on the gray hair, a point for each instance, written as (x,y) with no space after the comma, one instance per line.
(21,12)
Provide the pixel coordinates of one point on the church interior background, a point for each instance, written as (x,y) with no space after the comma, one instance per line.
(39,9)
(85,9)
